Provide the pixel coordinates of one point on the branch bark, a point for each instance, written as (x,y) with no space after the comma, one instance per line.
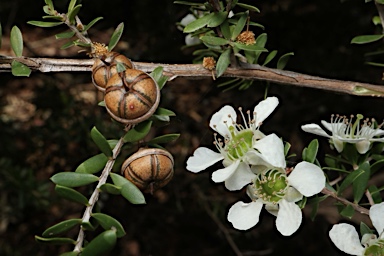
(246,71)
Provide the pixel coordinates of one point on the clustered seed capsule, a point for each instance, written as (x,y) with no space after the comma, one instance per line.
(149,169)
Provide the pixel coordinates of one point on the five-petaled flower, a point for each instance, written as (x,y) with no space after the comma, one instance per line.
(343,130)
(234,150)
(279,193)
(346,238)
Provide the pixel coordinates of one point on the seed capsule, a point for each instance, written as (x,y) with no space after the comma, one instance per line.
(106,66)
(149,169)
(131,96)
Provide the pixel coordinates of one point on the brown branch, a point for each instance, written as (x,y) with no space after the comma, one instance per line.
(247,71)
(344,201)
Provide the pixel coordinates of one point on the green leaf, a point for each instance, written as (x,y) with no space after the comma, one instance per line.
(101,142)
(61,227)
(72,14)
(311,151)
(376,20)
(90,24)
(225,30)
(375,193)
(239,25)
(360,183)
(73,179)
(198,23)
(111,189)
(217,19)
(93,164)
(19,69)
(364,229)
(364,39)
(116,36)
(55,240)
(71,5)
(283,60)
(164,112)
(49,3)
(348,211)
(59,18)
(349,179)
(248,7)
(187,3)
(100,245)
(252,47)
(16,39)
(67,45)
(223,62)
(162,81)
(65,35)
(128,189)
(157,73)
(138,132)
(164,138)
(45,24)
(107,222)
(214,40)
(71,194)
(270,57)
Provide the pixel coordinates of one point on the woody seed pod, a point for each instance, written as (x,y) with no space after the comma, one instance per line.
(106,66)
(131,96)
(149,169)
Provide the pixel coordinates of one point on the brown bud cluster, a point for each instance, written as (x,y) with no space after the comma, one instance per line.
(246,37)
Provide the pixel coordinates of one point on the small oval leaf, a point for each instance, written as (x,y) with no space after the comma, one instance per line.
(93,165)
(364,39)
(251,47)
(61,227)
(214,40)
(45,24)
(164,138)
(102,244)
(55,240)
(73,179)
(270,57)
(311,151)
(223,62)
(65,35)
(217,19)
(283,60)
(90,24)
(107,222)
(72,14)
(116,36)
(198,23)
(248,7)
(111,189)
(138,132)
(239,25)
(71,194)
(128,189)
(16,39)
(19,69)
(101,142)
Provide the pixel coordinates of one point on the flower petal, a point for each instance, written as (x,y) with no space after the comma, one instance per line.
(345,237)
(376,213)
(202,158)
(265,108)
(315,129)
(222,119)
(271,150)
(241,177)
(223,174)
(288,218)
(187,19)
(363,146)
(307,178)
(244,216)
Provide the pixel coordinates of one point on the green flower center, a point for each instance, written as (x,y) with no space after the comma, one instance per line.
(239,143)
(271,186)
(376,249)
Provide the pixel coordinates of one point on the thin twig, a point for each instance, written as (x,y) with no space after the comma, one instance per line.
(95,195)
(344,201)
(247,71)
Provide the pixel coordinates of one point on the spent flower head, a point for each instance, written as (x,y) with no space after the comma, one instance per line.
(361,132)
(234,146)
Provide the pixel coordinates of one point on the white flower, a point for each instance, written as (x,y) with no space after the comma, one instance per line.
(344,131)
(278,192)
(238,141)
(346,238)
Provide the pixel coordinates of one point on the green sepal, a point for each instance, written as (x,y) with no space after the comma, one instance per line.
(365,39)
(198,23)
(100,245)
(101,142)
(73,179)
(111,189)
(71,194)
(55,240)
(93,164)
(360,183)
(239,25)
(116,36)
(61,227)
(19,69)
(164,138)
(45,24)
(107,222)
(138,132)
(283,60)
(217,19)
(213,40)
(223,62)
(128,190)
(309,153)
(16,39)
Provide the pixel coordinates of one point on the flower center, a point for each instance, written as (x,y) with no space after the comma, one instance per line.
(376,249)
(239,144)
(271,186)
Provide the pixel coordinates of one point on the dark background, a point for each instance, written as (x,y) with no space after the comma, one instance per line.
(45,122)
